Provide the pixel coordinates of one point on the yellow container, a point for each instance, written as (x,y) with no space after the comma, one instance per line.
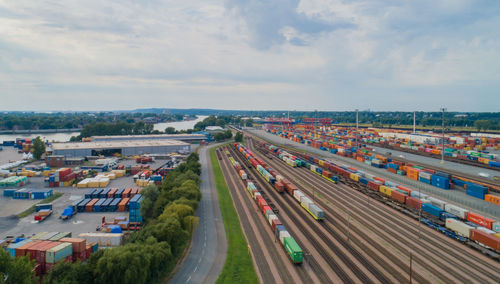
(321,162)
(497,235)
(81,185)
(354,177)
(385,190)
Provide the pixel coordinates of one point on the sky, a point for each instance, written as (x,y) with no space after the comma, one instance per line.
(250,54)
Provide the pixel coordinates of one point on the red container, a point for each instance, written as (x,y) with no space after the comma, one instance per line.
(404,189)
(414,202)
(78,243)
(262,203)
(111,193)
(391,170)
(122,206)
(21,251)
(398,196)
(42,251)
(276,222)
(126,192)
(133,192)
(327,174)
(89,206)
(33,250)
(290,187)
(265,208)
(486,239)
(480,220)
(373,185)
(380,179)
(278,186)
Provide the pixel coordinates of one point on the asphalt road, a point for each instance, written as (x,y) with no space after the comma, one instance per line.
(208,251)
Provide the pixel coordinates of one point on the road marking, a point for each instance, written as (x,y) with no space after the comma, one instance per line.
(188,279)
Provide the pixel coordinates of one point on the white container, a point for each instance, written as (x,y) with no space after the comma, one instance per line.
(486,230)
(256,194)
(297,194)
(279,178)
(496,227)
(437,202)
(305,201)
(459,227)
(271,218)
(455,210)
(103,239)
(283,235)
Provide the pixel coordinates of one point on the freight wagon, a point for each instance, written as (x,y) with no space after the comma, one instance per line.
(288,243)
(438,210)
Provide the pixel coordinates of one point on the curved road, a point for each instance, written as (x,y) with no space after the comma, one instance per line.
(208,251)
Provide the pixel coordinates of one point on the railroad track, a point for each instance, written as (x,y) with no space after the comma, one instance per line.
(435,156)
(453,257)
(334,241)
(260,238)
(261,183)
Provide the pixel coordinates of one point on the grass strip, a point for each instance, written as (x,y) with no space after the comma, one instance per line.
(32,209)
(238,267)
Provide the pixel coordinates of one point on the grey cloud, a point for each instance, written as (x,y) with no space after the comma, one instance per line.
(265,20)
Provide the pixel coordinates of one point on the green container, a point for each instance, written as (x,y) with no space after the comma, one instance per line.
(418,167)
(293,249)
(60,236)
(58,252)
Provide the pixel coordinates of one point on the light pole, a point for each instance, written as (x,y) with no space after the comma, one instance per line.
(414,122)
(357,125)
(442,138)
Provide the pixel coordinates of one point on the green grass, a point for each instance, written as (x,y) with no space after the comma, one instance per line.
(32,209)
(238,267)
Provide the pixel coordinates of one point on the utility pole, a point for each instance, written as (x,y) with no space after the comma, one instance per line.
(357,126)
(411,271)
(442,141)
(348,226)
(414,122)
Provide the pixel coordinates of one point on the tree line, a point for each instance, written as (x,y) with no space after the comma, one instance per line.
(60,120)
(148,255)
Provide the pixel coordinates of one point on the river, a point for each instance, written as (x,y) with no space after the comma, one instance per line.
(64,137)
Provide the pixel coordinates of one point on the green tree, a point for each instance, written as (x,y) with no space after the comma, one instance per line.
(150,194)
(38,148)
(249,122)
(17,270)
(482,125)
(238,137)
(170,130)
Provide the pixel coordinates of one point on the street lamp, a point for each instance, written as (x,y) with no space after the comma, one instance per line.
(442,138)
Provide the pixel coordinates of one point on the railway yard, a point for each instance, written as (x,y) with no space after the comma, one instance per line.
(340,231)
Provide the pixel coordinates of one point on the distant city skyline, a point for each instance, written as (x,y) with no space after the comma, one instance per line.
(326,55)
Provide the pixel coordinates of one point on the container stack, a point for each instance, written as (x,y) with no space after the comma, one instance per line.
(134,208)
(14,181)
(49,248)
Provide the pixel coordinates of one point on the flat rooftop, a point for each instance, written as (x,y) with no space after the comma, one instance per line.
(117,144)
(149,136)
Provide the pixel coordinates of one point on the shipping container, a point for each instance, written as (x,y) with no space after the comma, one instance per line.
(486,239)
(480,220)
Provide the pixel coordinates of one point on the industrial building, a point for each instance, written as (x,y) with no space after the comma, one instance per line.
(189,138)
(123,147)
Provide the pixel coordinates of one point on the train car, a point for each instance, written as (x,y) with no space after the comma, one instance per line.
(486,239)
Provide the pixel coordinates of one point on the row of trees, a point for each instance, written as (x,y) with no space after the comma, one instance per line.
(151,253)
(34,121)
(114,128)
(221,136)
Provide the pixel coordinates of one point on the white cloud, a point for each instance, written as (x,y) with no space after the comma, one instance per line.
(289,54)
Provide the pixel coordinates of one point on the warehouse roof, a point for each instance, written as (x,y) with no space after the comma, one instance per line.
(164,136)
(117,144)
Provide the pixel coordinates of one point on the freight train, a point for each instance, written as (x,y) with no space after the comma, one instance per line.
(287,242)
(415,172)
(454,221)
(280,183)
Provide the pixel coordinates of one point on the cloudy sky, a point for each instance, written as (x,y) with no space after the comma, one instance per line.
(250,54)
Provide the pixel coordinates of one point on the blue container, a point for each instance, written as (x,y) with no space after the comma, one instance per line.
(89,193)
(431,209)
(319,170)
(279,228)
(105,204)
(104,193)
(81,205)
(316,211)
(113,206)
(9,192)
(135,201)
(393,166)
(363,180)
(333,151)
(458,182)
(40,193)
(440,181)
(494,164)
(424,180)
(475,194)
(119,192)
(477,188)
(335,178)
(22,194)
(446,215)
(96,193)
(98,204)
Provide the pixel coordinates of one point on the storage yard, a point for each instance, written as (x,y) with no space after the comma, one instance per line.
(351,226)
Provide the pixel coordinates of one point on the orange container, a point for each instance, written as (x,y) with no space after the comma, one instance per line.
(122,206)
(492,199)
(90,206)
